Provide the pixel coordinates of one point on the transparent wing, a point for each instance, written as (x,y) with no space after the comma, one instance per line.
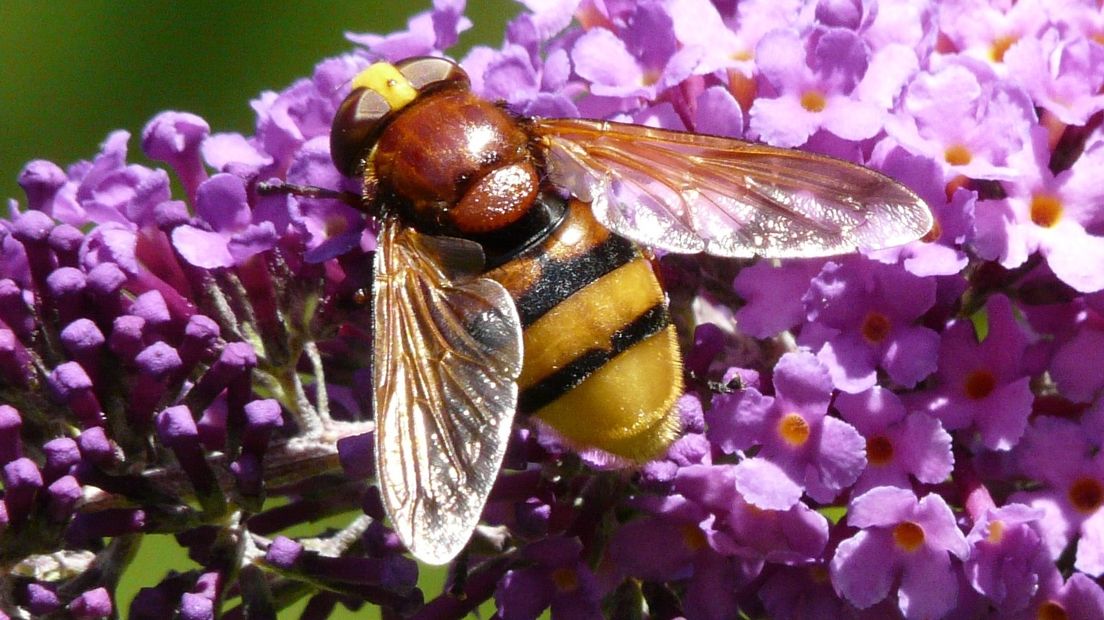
(685,192)
(447,352)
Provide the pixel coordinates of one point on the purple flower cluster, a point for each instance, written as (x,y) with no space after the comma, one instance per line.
(916,432)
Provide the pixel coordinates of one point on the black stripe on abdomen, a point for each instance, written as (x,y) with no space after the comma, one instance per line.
(560,382)
(559,279)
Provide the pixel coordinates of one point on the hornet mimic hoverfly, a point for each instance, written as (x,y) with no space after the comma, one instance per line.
(500,288)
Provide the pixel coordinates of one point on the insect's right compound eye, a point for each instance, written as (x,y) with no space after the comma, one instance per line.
(432,71)
(356,126)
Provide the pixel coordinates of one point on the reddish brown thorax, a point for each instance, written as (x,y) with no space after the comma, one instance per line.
(458,164)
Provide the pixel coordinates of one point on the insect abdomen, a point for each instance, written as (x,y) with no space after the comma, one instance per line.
(602,364)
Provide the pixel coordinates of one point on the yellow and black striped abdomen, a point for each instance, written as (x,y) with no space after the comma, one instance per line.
(602,363)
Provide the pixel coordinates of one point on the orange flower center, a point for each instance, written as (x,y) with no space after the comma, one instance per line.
(999,46)
(1086,495)
(813,101)
(793,429)
(908,536)
(693,537)
(566,579)
(979,384)
(875,327)
(879,450)
(1051,610)
(1046,210)
(996,532)
(957,155)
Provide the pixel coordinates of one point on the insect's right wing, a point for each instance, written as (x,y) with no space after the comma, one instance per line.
(685,192)
(447,353)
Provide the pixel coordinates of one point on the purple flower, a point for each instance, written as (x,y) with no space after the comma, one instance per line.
(801,449)
(1007,560)
(1061,71)
(1064,457)
(708,536)
(902,542)
(828,80)
(866,314)
(1078,597)
(555,578)
(222,205)
(984,384)
(1056,215)
(961,116)
(899,445)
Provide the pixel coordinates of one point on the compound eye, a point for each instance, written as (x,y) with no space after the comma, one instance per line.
(356,125)
(431,71)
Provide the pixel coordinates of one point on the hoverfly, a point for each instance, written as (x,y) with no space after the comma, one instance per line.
(508,275)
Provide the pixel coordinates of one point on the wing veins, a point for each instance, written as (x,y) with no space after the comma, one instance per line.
(688,192)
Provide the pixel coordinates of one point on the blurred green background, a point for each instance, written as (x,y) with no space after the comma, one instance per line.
(71,72)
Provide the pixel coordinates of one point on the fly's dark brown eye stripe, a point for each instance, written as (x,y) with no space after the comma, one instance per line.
(651,322)
(559,279)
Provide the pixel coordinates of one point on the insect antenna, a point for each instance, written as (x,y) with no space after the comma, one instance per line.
(276,187)
(362,202)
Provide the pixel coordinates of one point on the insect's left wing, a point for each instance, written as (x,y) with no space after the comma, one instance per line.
(447,353)
(685,192)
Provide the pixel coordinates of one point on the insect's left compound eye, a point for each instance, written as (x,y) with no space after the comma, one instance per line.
(379,92)
(357,123)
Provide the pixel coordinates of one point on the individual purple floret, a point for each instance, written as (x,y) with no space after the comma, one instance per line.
(11,446)
(903,543)
(863,317)
(22,483)
(801,450)
(92,604)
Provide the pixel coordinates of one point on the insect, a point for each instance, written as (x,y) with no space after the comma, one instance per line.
(509,274)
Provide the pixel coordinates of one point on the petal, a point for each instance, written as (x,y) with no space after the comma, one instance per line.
(852,120)
(842,458)
(925,449)
(802,383)
(1090,549)
(602,58)
(718,113)
(782,121)
(738,421)
(911,355)
(881,507)
(862,570)
(871,411)
(765,485)
(222,203)
(253,240)
(850,363)
(1076,365)
(1004,418)
(940,530)
(929,588)
(1076,256)
(523,594)
(780,56)
(202,248)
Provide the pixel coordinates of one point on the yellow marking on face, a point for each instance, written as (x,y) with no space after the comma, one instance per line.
(388,82)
